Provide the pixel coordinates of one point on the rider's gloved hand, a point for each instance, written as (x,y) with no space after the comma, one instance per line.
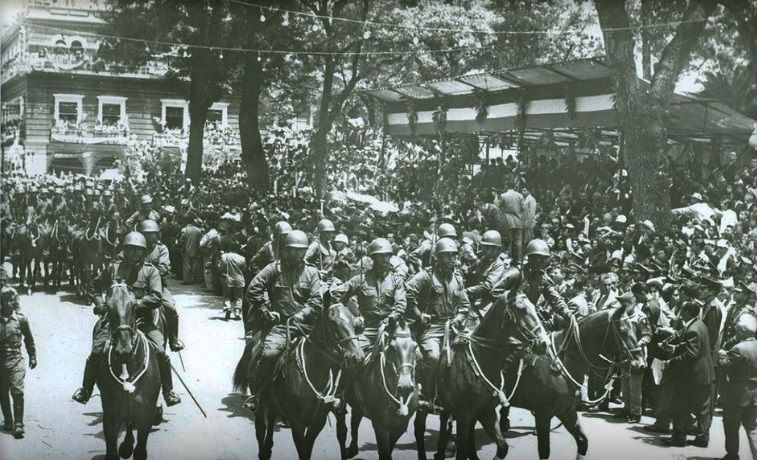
(459,321)
(99,309)
(393,317)
(425,318)
(272,317)
(298,318)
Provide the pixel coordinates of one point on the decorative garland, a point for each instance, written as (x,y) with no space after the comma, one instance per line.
(440,118)
(482,105)
(412,115)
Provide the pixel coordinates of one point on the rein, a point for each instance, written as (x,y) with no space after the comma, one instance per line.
(329,394)
(94,232)
(403,404)
(130,386)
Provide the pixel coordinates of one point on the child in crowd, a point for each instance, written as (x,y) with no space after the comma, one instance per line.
(231,265)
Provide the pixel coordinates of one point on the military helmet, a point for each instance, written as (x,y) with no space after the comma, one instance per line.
(445,245)
(149,226)
(380,246)
(135,239)
(341,238)
(146,199)
(491,238)
(296,239)
(537,247)
(282,227)
(325,225)
(446,230)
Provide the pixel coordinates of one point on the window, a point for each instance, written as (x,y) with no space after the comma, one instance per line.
(218,114)
(215,116)
(111,109)
(174,114)
(68,107)
(174,118)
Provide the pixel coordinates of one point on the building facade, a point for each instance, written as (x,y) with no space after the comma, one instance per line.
(64,109)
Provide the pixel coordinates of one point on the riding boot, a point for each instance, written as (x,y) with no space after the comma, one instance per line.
(5,402)
(83,394)
(164,363)
(172,323)
(18,412)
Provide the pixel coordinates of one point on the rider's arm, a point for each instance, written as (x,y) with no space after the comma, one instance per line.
(399,305)
(314,302)
(153,297)
(509,280)
(462,303)
(255,295)
(560,312)
(26,331)
(345,291)
(413,291)
(485,286)
(164,261)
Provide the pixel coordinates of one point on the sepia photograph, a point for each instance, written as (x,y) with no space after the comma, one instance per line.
(378,229)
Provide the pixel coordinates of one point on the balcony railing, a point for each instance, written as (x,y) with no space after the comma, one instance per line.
(214,137)
(87,135)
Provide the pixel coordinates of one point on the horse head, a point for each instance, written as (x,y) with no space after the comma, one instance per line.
(625,346)
(400,355)
(122,317)
(340,327)
(525,323)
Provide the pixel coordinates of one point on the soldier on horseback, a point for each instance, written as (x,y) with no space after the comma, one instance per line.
(321,253)
(158,256)
(487,270)
(380,293)
(294,298)
(437,297)
(144,281)
(534,282)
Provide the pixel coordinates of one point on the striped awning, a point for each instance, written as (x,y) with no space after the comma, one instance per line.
(544,91)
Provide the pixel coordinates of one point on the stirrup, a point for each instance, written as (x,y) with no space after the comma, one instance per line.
(81,395)
(176,345)
(251,403)
(171,398)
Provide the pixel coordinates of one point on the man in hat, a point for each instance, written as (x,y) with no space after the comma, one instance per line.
(511,204)
(489,268)
(144,212)
(739,391)
(435,296)
(189,241)
(321,253)
(14,332)
(693,374)
(633,303)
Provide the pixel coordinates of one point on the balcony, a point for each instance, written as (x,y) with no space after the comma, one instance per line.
(80,133)
(215,137)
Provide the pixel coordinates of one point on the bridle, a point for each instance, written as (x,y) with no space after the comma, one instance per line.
(125,327)
(383,346)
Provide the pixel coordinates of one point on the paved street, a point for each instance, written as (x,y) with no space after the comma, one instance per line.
(58,428)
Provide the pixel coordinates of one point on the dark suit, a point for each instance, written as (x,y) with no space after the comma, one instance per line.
(692,373)
(739,395)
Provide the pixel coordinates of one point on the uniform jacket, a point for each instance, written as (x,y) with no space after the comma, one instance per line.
(540,290)
(690,362)
(289,290)
(190,237)
(158,257)
(483,276)
(232,267)
(429,293)
(511,203)
(13,330)
(320,256)
(378,295)
(143,279)
(740,367)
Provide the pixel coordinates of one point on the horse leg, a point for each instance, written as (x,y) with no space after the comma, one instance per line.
(383,443)
(571,423)
(419,426)
(110,431)
(542,432)
(489,422)
(127,446)
(355,417)
(463,438)
(317,424)
(298,434)
(445,433)
(264,453)
(504,419)
(341,432)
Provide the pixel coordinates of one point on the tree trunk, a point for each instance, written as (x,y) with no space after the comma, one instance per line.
(199,104)
(641,109)
(253,155)
(318,144)
(646,46)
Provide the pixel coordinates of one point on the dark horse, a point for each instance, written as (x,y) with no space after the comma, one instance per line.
(306,389)
(130,381)
(603,341)
(471,384)
(383,390)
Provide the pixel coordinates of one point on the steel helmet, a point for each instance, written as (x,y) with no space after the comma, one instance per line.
(282,227)
(325,225)
(491,238)
(380,246)
(146,199)
(446,230)
(445,245)
(341,238)
(149,226)
(135,239)
(537,247)
(296,239)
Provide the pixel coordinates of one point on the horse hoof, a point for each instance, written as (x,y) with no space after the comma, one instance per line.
(158,416)
(125,450)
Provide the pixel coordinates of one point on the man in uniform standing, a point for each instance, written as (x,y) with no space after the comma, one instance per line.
(14,329)
(144,282)
(158,257)
(435,296)
(739,391)
(293,289)
(380,293)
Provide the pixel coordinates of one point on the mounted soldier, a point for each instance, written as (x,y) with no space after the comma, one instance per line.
(158,257)
(293,290)
(489,268)
(143,280)
(144,212)
(321,253)
(271,250)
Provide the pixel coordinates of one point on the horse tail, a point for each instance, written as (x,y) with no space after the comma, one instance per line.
(240,373)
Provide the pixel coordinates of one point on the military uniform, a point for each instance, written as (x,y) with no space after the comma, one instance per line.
(14,329)
(158,257)
(482,278)
(321,256)
(540,290)
(739,395)
(379,296)
(291,291)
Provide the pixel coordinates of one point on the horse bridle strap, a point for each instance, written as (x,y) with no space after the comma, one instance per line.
(498,393)
(130,386)
(329,395)
(403,410)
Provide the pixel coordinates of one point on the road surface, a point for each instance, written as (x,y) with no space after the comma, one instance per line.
(58,428)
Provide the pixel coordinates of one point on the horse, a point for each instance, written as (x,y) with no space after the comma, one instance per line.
(58,244)
(129,382)
(88,256)
(465,385)
(306,388)
(384,390)
(28,241)
(551,386)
